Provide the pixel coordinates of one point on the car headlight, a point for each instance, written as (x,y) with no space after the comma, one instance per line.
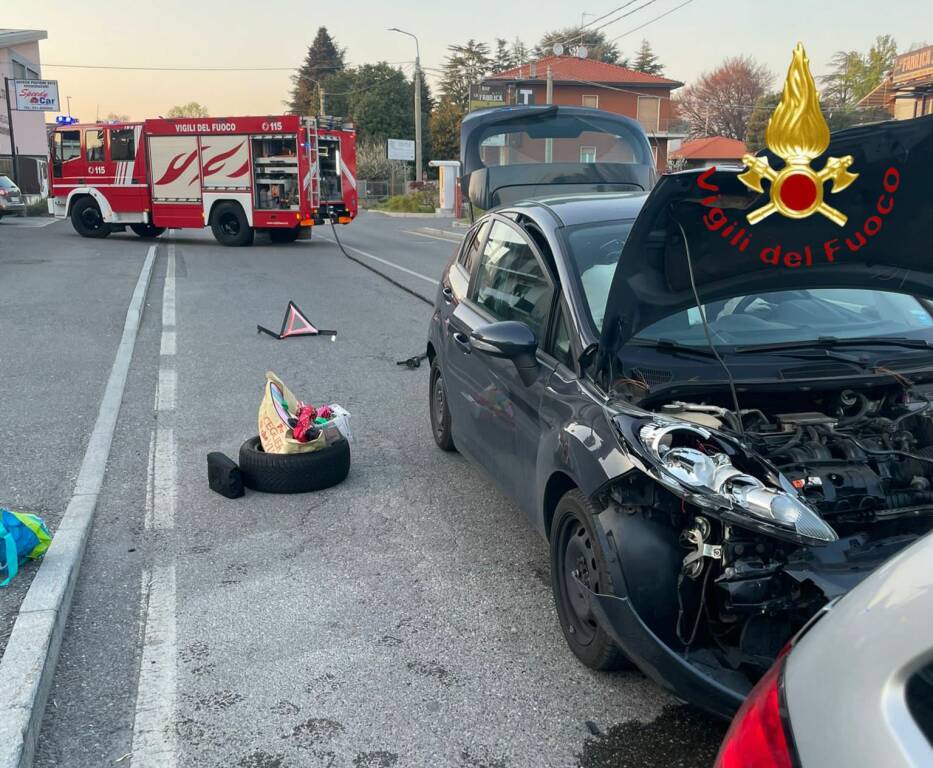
(692,462)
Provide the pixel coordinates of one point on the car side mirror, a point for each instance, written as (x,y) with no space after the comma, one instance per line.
(509,340)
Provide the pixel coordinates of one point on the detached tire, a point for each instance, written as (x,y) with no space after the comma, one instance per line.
(87,219)
(147,231)
(229,225)
(293,472)
(576,556)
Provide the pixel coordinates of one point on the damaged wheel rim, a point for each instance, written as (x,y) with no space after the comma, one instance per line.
(579,575)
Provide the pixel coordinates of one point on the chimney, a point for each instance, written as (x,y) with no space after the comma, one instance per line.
(533,70)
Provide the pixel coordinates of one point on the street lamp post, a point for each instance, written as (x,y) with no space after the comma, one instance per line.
(417,80)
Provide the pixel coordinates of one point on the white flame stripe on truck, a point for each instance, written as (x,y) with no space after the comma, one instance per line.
(349,176)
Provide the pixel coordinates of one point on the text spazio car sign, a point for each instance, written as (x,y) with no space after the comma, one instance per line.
(36,95)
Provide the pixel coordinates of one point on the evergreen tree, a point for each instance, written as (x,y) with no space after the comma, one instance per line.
(854,74)
(520,53)
(324,59)
(758,121)
(646,61)
(465,65)
(597,46)
(445,130)
(503,58)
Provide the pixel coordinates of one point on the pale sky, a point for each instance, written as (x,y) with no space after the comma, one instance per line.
(276,33)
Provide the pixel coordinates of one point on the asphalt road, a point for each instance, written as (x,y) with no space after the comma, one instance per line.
(402,618)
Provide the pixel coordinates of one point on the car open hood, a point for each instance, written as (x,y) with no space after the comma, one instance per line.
(652,280)
(518,136)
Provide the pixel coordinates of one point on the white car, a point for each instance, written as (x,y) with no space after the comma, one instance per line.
(855,687)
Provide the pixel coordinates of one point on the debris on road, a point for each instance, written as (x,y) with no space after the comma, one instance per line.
(25,537)
(223,475)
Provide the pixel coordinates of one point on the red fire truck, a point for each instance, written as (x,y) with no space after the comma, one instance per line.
(236,175)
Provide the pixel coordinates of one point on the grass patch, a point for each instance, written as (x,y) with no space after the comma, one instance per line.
(37,208)
(415,202)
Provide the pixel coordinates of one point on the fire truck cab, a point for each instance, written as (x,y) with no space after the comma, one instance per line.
(237,175)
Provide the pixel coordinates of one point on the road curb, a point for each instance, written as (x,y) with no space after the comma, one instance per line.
(28,664)
(405,214)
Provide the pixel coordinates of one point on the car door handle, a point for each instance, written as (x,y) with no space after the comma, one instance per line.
(463,341)
(448,293)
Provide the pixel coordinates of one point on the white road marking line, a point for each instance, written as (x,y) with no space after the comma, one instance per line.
(433,237)
(168,343)
(28,662)
(168,294)
(150,476)
(383,261)
(165,474)
(154,723)
(168,382)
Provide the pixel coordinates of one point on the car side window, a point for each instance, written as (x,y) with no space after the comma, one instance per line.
(122,144)
(511,283)
(470,252)
(94,145)
(562,349)
(67,145)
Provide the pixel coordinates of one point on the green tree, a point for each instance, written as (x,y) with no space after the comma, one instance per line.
(758,121)
(597,45)
(646,61)
(853,75)
(323,60)
(503,58)
(844,82)
(465,64)
(519,52)
(381,103)
(445,130)
(191,109)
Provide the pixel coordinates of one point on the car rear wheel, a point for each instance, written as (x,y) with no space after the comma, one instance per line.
(576,558)
(230,227)
(284,235)
(440,414)
(87,220)
(147,231)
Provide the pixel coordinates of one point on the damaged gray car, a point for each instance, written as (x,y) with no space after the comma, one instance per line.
(718,427)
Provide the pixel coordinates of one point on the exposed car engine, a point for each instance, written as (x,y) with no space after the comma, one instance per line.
(863,462)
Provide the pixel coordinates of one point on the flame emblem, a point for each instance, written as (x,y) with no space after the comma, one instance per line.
(797,132)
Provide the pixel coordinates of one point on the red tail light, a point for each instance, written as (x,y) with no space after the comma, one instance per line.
(757,737)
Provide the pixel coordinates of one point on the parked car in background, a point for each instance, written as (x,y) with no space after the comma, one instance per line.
(714,447)
(855,687)
(11,199)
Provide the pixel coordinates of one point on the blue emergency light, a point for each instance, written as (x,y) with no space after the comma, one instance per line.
(66,120)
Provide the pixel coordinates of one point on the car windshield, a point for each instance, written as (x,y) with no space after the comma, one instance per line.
(594,251)
(798,315)
(6,183)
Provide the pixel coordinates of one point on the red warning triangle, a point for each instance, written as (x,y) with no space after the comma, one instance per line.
(296,324)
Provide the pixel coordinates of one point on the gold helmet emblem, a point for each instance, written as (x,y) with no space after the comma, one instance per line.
(797,132)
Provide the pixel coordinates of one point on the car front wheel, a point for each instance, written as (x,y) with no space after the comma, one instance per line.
(577,559)
(440,414)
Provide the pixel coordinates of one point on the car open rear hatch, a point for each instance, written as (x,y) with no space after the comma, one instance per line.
(515,153)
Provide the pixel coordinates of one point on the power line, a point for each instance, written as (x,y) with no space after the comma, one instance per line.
(651,21)
(582,27)
(199,69)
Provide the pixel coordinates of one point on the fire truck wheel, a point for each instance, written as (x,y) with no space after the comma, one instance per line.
(229,225)
(293,472)
(147,231)
(87,220)
(284,235)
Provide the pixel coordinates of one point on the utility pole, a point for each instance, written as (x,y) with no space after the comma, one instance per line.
(9,116)
(320,93)
(417,82)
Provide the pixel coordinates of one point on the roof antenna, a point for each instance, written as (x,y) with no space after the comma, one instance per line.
(709,337)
